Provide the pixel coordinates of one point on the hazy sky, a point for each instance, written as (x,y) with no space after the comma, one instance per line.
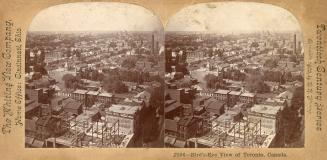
(232,17)
(95,17)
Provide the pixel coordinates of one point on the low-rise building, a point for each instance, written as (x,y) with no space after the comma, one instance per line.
(128,117)
(79,95)
(233,97)
(222,95)
(270,117)
(105,98)
(247,98)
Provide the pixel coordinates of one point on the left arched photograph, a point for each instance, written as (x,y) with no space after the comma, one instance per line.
(94,77)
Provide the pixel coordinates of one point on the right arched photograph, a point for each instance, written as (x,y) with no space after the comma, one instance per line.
(234,77)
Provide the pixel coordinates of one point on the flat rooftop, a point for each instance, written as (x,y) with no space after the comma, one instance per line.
(265,109)
(105,94)
(80,91)
(93,93)
(237,93)
(222,91)
(247,94)
(123,109)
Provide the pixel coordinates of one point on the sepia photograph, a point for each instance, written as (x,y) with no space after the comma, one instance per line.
(163,79)
(234,75)
(94,77)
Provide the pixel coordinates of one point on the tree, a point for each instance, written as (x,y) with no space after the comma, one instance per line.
(293,58)
(129,62)
(291,120)
(157,97)
(255,83)
(255,44)
(40,68)
(113,84)
(72,81)
(214,82)
(298,98)
(270,63)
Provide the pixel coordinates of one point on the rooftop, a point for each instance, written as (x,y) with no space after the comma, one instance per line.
(172,106)
(31,106)
(222,91)
(80,91)
(171,125)
(105,94)
(247,94)
(123,109)
(235,93)
(93,92)
(265,109)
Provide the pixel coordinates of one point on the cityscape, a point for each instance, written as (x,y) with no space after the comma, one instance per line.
(94,90)
(234,77)
(122,80)
(234,91)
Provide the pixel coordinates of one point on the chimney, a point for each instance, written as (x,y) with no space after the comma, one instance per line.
(294,43)
(153,43)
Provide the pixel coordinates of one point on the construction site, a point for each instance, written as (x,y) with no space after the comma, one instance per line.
(84,131)
(228,134)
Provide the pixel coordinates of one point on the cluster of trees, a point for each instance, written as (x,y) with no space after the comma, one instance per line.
(91,74)
(278,76)
(40,67)
(72,82)
(236,75)
(214,82)
(157,98)
(271,63)
(255,83)
(113,84)
(291,119)
(132,75)
(129,62)
(255,44)
(113,79)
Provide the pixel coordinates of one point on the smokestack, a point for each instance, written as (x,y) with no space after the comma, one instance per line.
(294,43)
(152,43)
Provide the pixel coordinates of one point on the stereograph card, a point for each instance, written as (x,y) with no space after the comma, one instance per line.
(163,79)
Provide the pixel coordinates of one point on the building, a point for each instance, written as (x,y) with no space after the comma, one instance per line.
(233,97)
(215,107)
(179,130)
(221,95)
(32,109)
(188,127)
(79,95)
(72,106)
(247,98)
(173,109)
(128,117)
(35,94)
(106,98)
(91,98)
(270,117)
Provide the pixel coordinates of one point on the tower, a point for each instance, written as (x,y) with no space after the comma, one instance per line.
(153,43)
(294,43)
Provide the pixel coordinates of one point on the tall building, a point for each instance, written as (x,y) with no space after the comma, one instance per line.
(294,43)
(153,43)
